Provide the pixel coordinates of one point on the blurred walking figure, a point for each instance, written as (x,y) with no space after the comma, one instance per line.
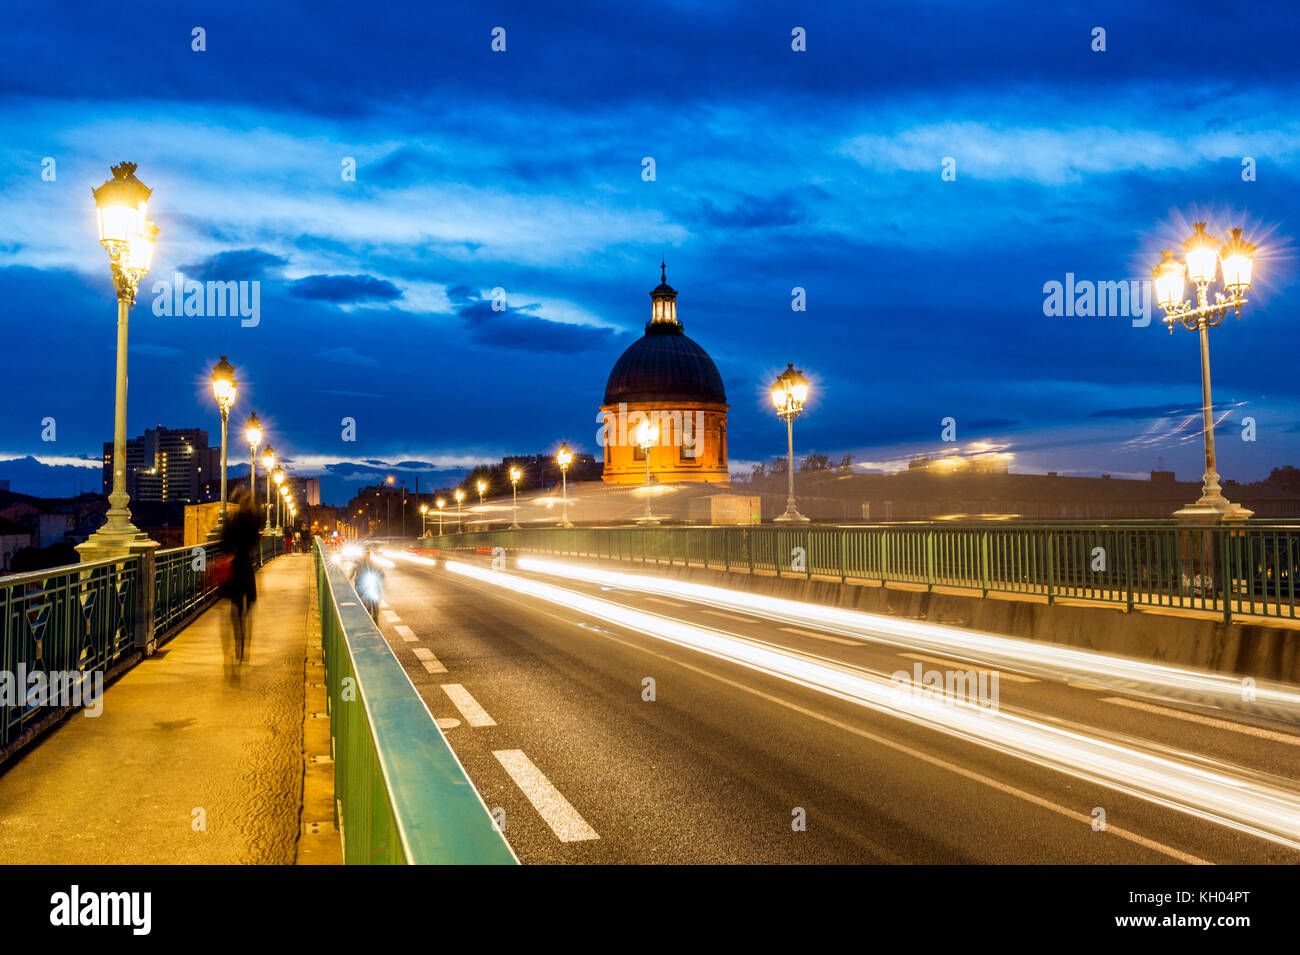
(369,582)
(239,541)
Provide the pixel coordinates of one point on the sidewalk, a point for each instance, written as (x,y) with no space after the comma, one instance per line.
(190,761)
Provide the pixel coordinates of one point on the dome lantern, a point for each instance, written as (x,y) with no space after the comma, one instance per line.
(663,301)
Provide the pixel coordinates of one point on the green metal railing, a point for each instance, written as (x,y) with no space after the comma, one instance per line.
(400,794)
(97,617)
(73,619)
(1246,569)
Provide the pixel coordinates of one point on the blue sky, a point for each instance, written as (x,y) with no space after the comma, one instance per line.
(522,170)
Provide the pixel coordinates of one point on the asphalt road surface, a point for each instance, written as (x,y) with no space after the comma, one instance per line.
(594,741)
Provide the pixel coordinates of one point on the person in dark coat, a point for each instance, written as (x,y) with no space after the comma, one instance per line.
(241,542)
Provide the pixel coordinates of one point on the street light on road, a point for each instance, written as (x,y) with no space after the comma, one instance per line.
(564,459)
(441,504)
(253,434)
(646,438)
(424,517)
(1203,257)
(268,462)
(460,496)
(515,475)
(121,206)
(224,390)
(789,392)
(278,477)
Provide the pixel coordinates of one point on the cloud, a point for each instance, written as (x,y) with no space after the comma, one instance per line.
(518,329)
(238,265)
(348,356)
(345,288)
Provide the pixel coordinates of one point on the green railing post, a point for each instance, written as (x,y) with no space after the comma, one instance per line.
(984,561)
(929,560)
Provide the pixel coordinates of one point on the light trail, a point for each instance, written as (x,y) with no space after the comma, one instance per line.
(982,649)
(1223,794)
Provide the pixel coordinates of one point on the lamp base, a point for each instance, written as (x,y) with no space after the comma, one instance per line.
(791,516)
(119,542)
(1212,512)
(648,519)
(514,527)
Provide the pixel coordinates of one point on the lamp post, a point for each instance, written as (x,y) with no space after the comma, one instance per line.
(1203,257)
(564,459)
(460,496)
(253,434)
(789,392)
(128,236)
(515,475)
(646,438)
(223,389)
(424,518)
(278,477)
(268,462)
(441,504)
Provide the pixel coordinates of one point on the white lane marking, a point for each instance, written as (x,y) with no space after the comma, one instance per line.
(667,603)
(406,633)
(730,616)
(469,708)
(822,636)
(384,605)
(1090,686)
(959,665)
(1246,728)
(392,617)
(447,722)
(431,663)
(549,802)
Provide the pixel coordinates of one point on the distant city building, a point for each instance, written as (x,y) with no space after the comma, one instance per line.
(166,465)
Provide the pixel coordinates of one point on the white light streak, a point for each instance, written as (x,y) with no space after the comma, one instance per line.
(1217,792)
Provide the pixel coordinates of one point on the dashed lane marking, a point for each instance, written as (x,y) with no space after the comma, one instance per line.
(558,813)
(959,665)
(469,707)
(406,633)
(431,663)
(1245,728)
(823,636)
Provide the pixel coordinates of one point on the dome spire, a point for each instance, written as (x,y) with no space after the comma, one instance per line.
(663,303)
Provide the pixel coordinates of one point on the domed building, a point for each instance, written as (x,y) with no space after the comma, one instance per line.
(668,379)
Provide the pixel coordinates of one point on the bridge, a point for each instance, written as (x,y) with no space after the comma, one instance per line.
(889,693)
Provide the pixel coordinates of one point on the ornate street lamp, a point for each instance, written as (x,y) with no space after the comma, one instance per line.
(253,434)
(424,518)
(121,207)
(515,475)
(441,504)
(460,496)
(268,462)
(646,438)
(789,392)
(564,459)
(224,390)
(278,477)
(482,486)
(1203,257)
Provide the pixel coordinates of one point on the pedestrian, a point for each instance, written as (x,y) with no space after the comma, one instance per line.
(240,539)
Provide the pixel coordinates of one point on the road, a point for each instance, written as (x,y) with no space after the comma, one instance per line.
(602,743)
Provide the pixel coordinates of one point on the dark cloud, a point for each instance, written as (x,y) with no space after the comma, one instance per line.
(237,265)
(345,289)
(518,329)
